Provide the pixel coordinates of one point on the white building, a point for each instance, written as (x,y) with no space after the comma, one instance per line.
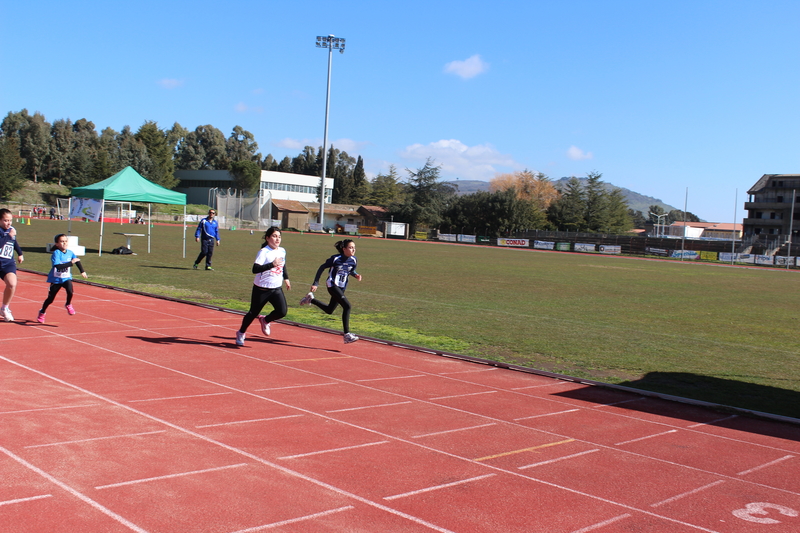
(198,185)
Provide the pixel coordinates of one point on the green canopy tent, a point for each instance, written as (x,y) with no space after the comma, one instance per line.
(127,185)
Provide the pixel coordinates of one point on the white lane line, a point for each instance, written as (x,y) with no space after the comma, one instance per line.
(295,520)
(168,476)
(558,382)
(463,395)
(776,461)
(438,487)
(367,407)
(453,430)
(96,438)
(558,459)
(333,450)
(546,414)
(602,524)
(387,379)
(247,421)
(50,408)
(619,402)
(180,397)
(468,371)
(718,420)
(647,437)
(77,494)
(298,386)
(21,500)
(695,491)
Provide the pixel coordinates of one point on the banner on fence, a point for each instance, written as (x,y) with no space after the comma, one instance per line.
(686,254)
(708,256)
(367,230)
(502,241)
(351,228)
(544,245)
(421,235)
(745,258)
(783,260)
(466,238)
(764,260)
(314,226)
(563,246)
(657,251)
(449,237)
(610,249)
(484,239)
(584,247)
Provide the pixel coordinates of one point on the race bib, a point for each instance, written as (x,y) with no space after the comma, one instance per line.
(8,251)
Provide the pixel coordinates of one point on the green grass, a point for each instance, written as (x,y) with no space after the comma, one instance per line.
(716,333)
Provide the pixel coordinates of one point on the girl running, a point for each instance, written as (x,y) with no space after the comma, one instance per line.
(61,275)
(342,266)
(8,269)
(270,271)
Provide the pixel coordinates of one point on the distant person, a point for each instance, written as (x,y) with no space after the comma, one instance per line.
(52,213)
(8,269)
(270,271)
(60,275)
(207,235)
(341,266)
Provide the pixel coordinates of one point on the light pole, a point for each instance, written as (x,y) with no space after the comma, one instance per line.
(330,42)
(659,226)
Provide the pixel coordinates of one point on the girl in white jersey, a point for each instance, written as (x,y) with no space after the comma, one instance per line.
(270,271)
(341,266)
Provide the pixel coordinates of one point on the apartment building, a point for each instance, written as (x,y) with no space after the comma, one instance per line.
(770,205)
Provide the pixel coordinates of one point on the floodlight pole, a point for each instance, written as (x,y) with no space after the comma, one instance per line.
(330,42)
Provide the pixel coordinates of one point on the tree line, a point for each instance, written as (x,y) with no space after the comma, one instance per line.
(74,154)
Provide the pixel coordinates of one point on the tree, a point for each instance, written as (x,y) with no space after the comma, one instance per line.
(35,146)
(637,218)
(246,175)
(529,186)
(567,213)
(269,163)
(241,146)
(306,162)
(132,152)
(386,189)
(360,183)
(653,212)
(619,219)
(426,197)
(62,141)
(596,216)
(11,165)
(156,142)
(203,149)
(676,215)
(285,165)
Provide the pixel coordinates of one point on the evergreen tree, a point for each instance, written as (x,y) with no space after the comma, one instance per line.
(160,153)
(619,219)
(269,163)
(11,166)
(386,189)
(426,197)
(241,146)
(60,153)
(285,165)
(567,213)
(35,146)
(360,184)
(247,175)
(595,216)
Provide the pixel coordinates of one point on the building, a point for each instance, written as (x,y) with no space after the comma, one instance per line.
(299,215)
(769,209)
(704,230)
(199,185)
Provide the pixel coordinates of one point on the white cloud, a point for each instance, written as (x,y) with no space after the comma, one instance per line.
(467,69)
(458,160)
(576,154)
(241,107)
(170,83)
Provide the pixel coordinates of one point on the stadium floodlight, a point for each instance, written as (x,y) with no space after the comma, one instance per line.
(331,43)
(659,226)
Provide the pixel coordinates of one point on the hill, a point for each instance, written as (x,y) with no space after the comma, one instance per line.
(636,201)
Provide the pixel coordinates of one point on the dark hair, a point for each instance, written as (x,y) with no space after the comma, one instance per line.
(268,234)
(55,239)
(341,245)
(4,211)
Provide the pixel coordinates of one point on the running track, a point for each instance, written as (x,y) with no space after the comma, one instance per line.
(141,414)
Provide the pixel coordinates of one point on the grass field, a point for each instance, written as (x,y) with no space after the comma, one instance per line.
(722,334)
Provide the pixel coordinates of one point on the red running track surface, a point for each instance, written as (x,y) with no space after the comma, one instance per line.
(141,414)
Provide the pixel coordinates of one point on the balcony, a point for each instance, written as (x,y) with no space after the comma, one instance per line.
(763,222)
(770,203)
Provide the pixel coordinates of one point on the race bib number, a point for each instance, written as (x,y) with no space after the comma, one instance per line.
(8,251)
(341,278)
(61,274)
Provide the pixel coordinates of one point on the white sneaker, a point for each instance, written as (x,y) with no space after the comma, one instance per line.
(264,326)
(307,299)
(349,337)
(7,316)
(239,338)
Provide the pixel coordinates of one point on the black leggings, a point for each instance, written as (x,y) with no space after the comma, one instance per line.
(261,297)
(54,288)
(337,298)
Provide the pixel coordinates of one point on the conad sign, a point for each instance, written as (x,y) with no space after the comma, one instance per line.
(512,242)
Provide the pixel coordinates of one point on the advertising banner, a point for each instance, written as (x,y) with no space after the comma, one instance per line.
(86,208)
(610,249)
(563,247)
(544,245)
(448,237)
(657,251)
(466,238)
(502,241)
(764,260)
(421,235)
(708,256)
(584,247)
(686,254)
(783,260)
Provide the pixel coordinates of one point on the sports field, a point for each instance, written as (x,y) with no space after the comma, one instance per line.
(722,334)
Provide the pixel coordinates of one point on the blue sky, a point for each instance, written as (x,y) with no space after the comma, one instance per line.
(658,96)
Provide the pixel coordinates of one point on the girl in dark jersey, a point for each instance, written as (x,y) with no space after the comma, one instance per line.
(8,269)
(341,266)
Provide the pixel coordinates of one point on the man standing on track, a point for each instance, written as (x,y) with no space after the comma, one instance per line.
(207,235)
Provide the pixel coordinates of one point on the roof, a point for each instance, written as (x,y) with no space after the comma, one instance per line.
(127,185)
(719,226)
(374,210)
(289,205)
(333,209)
(764,181)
